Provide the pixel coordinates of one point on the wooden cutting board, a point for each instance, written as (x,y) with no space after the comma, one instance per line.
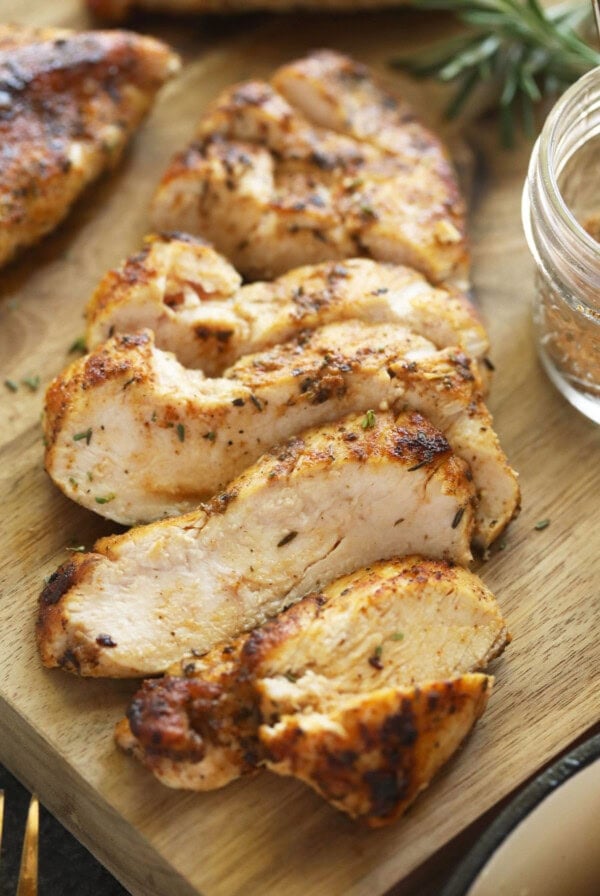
(271,835)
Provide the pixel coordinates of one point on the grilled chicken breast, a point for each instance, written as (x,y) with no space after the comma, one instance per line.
(337,498)
(343,673)
(129,421)
(117,10)
(274,187)
(69,104)
(191,298)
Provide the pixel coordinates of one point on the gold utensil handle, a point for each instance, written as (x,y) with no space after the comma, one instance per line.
(28,873)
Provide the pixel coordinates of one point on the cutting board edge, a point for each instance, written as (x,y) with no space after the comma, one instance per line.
(87,809)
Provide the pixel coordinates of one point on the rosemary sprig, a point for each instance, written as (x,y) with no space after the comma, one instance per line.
(517,48)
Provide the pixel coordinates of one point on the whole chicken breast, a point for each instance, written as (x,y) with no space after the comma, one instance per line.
(274,188)
(312,509)
(68,105)
(130,422)
(116,10)
(190,296)
(299,693)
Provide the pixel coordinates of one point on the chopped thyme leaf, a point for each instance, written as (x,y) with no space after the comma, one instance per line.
(368,211)
(458,517)
(211,436)
(291,677)
(106,499)
(181,432)
(397,636)
(10,384)
(153,417)
(87,435)
(256,402)
(286,539)
(368,421)
(73,482)
(542,524)
(78,345)
(375,658)
(90,476)
(32,382)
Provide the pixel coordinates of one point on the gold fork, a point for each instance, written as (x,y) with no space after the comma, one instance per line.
(28,872)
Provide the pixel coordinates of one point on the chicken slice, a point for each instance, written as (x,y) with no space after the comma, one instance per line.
(272,188)
(397,639)
(191,298)
(70,103)
(117,10)
(310,510)
(373,754)
(129,421)
(335,92)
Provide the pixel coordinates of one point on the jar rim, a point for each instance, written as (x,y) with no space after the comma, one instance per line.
(555,127)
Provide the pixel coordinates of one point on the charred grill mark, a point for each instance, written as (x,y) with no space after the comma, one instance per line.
(59,583)
(69,662)
(420,448)
(105,641)
(161,717)
(399,730)
(386,790)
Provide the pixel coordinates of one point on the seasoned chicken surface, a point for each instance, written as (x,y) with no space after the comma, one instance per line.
(191,298)
(314,508)
(116,10)
(129,421)
(401,634)
(372,754)
(274,185)
(69,104)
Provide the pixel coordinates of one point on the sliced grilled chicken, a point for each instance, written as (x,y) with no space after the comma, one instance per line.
(117,10)
(130,422)
(372,754)
(190,297)
(312,509)
(273,188)
(397,639)
(70,102)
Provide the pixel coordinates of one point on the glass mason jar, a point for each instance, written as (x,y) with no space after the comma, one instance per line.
(561,217)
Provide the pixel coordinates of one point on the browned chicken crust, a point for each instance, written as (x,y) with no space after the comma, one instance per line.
(322,163)
(362,690)
(68,105)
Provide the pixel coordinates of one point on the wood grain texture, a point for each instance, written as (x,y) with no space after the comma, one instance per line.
(270,835)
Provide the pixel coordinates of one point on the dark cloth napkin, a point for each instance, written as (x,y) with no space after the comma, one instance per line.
(66,868)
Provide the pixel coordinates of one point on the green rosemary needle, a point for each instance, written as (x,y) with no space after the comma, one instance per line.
(515,47)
